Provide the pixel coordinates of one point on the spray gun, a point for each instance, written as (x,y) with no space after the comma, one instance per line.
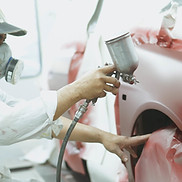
(124,57)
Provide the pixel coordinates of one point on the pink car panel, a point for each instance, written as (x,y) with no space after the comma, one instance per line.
(161,159)
(159,73)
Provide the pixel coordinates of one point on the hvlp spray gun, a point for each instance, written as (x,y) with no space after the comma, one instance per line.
(124,57)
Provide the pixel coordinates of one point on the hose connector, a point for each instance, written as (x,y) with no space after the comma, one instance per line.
(82,109)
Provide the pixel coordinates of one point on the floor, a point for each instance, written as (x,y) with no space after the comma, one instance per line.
(10,156)
(47,173)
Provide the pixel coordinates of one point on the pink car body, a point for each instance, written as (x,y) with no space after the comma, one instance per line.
(154,102)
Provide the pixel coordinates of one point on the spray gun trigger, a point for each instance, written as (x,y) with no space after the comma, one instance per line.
(110,74)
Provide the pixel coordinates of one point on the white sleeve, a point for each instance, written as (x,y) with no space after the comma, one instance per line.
(29,119)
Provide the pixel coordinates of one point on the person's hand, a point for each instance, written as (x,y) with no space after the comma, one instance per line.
(116,144)
(91,86)
(97,83)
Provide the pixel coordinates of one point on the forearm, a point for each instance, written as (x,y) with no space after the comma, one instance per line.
(66,97)
(81,132)
(91,85)
(113,143)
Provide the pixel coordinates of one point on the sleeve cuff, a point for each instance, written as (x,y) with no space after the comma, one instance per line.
(50,101)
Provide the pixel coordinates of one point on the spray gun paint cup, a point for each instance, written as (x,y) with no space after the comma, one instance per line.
(123,54)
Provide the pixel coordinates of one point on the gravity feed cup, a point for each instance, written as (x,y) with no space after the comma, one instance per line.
(123,55)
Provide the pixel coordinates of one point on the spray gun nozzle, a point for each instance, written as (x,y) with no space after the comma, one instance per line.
(125,77)
(124,57)
(129,78)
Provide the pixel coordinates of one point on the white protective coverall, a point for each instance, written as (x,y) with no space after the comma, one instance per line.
(21,120)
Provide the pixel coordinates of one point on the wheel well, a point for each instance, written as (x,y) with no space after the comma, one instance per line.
(148,122)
